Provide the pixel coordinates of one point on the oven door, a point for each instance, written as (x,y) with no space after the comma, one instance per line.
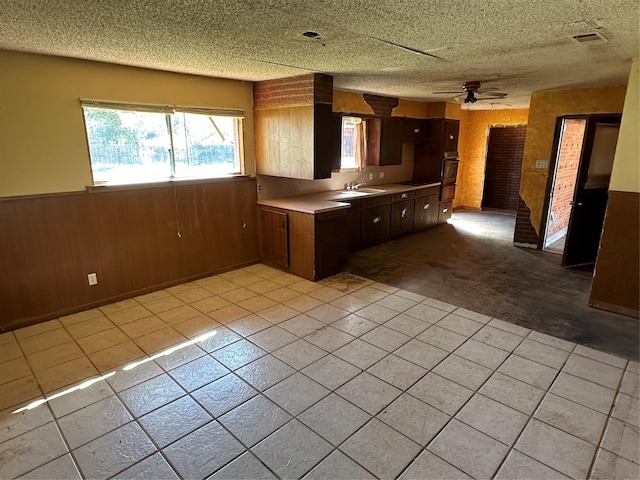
(449,171)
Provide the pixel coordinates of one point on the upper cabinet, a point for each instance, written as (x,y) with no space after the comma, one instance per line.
(416,130)
(297,134)
(385,137)
(442,142)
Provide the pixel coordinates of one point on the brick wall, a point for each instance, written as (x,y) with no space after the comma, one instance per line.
(504,165)
(524,233)
(382,106)
(305,89)
(566,175)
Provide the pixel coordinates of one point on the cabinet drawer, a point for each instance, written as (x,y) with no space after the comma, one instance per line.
(445,211)
(423,192)
(448,193)
(398,197)
(375,201)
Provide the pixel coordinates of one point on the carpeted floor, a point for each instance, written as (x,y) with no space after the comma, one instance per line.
(471,262)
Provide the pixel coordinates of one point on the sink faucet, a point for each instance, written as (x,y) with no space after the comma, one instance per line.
(357,185)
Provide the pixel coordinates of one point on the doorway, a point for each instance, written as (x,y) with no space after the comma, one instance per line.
(577,192)
(505,148)
(564,180)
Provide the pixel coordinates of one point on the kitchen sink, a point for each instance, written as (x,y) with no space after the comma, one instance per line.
(370,190)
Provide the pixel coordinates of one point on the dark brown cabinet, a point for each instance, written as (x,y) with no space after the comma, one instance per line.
(275,236)
(451,130)
(401,218)
(426,206)
(444,213)
(375,220)
(354,228)
(385,137)
(330,243)
(416,130)
(314,246)
(442,142)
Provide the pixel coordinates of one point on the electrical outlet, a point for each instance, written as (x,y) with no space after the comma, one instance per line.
(381,175)
(259,187)
(542,163)
(93,278)
(371,176)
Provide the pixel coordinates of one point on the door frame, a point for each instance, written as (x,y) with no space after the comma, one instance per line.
(486,155)
(553,165)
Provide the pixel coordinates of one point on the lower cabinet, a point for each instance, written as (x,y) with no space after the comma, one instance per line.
(401,218)
(315,246)
(354,227)
(444,212)
(375,220)
(331,239)
(425,213)
(426,207)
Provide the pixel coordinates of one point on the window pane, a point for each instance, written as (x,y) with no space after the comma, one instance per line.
(349,142)
(205,145)
(127,146)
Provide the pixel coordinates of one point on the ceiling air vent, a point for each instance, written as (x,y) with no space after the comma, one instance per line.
(591,38)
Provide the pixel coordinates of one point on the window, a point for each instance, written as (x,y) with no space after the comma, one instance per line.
(132,144)
(352,143)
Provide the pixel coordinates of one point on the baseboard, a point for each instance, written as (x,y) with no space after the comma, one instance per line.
(525,245)
(629,312)
(27,322)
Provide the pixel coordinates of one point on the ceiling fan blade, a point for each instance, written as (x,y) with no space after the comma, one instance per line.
(448,93)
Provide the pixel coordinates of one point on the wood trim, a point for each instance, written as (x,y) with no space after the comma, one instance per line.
(134,240)
(616,286)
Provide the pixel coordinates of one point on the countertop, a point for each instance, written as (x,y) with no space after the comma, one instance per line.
(331,200)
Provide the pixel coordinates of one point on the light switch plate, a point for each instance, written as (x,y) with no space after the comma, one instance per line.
(381,174)
(542,163)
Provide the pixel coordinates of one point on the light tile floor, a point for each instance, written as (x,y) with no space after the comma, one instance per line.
(258,374)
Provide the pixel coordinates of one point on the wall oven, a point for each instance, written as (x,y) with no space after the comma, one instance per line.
(449,177)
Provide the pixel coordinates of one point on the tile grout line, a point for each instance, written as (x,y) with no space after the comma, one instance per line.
(476,391)
(531,415)
(606,423)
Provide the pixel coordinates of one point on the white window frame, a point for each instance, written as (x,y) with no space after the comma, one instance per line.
(170,110)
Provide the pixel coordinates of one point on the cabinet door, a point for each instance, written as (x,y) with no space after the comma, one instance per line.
(445,211)
(448,193)
(375,224)
(401,218)
(426,212)
(415,130)
(331,238)
(327,141)
(391,140)
(451,128)
(353,224)
(275,237)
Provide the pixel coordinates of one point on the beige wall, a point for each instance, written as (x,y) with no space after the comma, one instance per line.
(472,147)
(545,108)
(43,147)
(625,176)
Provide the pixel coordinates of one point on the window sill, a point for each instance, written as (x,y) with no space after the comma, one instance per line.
(164,183)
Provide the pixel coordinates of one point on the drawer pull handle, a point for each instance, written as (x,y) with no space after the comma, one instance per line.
(404,195)
(404,212)
(377,219)
(444,210)
(426,206)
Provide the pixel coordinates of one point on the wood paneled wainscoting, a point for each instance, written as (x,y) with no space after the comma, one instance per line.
(135,239)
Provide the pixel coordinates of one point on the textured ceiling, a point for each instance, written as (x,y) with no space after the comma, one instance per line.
(516,45)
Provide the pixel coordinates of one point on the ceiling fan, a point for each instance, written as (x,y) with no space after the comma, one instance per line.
(473,92)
